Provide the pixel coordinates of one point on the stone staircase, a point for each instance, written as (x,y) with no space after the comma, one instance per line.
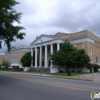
(37,70)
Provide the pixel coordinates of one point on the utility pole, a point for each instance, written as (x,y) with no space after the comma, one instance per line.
(41,60)
(0,45)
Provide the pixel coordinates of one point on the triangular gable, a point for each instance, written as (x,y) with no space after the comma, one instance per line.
(44,38)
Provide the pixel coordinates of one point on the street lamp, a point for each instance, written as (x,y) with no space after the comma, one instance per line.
(41,60)
(0,45)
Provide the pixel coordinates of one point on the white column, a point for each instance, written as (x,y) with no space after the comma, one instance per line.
(32,57)
(51,53)
(35,57)
(58,46)
(40,56)
(46,57)
(51,48)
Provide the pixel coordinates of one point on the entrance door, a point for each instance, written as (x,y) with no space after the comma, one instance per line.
(42,62)
(49,62)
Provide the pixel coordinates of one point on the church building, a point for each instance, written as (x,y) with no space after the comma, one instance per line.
(44,45)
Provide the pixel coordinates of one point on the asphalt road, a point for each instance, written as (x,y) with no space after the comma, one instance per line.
(26,87)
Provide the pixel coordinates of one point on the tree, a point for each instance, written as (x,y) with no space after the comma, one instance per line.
(58,59)
(8,15)
(69,56)
(96,67)
(82,58)
(65,56)
(26,59)
(6,64)
(90,66)
(0,66)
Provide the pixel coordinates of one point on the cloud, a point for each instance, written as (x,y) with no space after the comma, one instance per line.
(52,16)
(77,15)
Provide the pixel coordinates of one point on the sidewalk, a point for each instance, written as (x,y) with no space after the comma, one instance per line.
(85,77)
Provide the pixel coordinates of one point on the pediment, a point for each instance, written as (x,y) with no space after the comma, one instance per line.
(44,38)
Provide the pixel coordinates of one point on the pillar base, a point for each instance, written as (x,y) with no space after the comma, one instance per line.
(45,66)
(54,70)
(51,66)
(36,67)
(40,66)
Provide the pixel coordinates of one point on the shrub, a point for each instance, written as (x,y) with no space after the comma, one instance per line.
(96,67)
(6,64)
(26,59)
(73,71)
(0,66)
(78,71)
(61,71)
(90,66)
(4,69)
(66,71)
(21,69)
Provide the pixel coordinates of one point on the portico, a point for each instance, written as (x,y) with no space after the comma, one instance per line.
(42,47)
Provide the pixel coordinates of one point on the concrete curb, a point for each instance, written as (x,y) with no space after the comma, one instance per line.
(63,77)
(72,78)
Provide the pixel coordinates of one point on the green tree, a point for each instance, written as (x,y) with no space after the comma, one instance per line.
(82,59)
(6,64)
(65,56)
(96,67)
(58,59)
(8,15)
(69,56)
(0,66)
(26,59)
(90,66)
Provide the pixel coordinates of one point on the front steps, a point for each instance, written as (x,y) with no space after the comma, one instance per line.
(37,70)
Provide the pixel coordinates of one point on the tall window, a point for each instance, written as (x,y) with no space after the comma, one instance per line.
(91,61)
(90,50)
(97,59)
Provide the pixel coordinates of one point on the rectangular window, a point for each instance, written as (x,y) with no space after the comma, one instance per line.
(12,61)
(90,50)
(91,61)
(97,59)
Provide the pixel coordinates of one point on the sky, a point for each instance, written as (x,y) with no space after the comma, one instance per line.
(52,16)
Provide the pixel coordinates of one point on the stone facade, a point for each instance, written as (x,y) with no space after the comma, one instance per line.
(15,54)
(85,40)
(44,45)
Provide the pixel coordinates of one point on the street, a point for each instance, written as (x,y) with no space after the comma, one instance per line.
(15,86)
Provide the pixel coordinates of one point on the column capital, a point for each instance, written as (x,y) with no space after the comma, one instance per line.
(45,45)
(31,48)
(51,43)
(35,47)
(58,42)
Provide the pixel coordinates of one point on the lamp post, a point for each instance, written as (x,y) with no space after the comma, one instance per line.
(41,60)
(0,45)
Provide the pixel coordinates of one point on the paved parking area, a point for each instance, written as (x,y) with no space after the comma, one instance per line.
(92,75)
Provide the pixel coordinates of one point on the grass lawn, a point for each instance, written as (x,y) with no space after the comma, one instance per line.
(66,74)
(3,69)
